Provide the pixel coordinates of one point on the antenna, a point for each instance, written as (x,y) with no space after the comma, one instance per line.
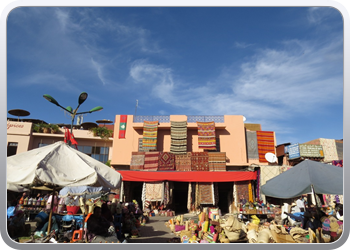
(270,157)
(137,103)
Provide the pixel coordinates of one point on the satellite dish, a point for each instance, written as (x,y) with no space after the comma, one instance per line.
(270,157)
(244,119)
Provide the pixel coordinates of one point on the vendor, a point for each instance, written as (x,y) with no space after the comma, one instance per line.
(98,225)
(17,224)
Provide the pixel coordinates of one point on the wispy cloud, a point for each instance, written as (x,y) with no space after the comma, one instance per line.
(242,45)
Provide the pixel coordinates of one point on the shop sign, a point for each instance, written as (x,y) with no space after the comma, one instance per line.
(293,151)
(307,150)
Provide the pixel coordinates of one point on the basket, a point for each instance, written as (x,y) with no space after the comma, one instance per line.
(73,209)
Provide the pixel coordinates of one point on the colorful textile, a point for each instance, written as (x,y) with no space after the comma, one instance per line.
(166,161)
(183,162)
(338,163)
(250,191)
(200,161)
(266,144)
(206,194)
(252,145)
(155,191)
(217,161)
(206,135)
(137,160)
(122,126)
(178,133)
(151,161)
(242,188)
(150,131)
(329,150)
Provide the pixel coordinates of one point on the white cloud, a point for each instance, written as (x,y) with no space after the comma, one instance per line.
(242,45)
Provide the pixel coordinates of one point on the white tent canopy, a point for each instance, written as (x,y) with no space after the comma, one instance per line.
(61,165)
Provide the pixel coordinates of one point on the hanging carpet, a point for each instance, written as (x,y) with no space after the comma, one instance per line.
(200,161)
(242,188)
(266,144)
(150,131)
(252,145)
(183,162)
(155,191)
(206,135)
(137,160)
(217,161)
(206,194)
(151,161)
(178,133)
(166,161)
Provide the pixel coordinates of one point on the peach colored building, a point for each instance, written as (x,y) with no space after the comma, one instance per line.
(231,138)
(21,138)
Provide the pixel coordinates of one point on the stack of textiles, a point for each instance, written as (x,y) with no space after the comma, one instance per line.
(178,135)
(150,131)
(206,135)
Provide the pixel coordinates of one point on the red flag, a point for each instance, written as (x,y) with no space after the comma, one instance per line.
(66,135)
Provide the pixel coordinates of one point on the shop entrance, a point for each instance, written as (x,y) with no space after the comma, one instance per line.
(136,192)
(180,193)
(225,196)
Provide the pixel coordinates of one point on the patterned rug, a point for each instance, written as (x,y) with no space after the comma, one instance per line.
(206,193)
(155,191)
(183,162)
(206,135)
(252,145)
(266,144)
(217,161)
(329,149)
(242,188)
(151,161)
(178,133)
(166,161)
(150,131)
(200,161)
(137,160)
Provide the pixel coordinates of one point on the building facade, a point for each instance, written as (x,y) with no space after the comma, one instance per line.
(195,175)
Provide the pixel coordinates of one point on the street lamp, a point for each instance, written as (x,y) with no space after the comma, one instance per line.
(82,97)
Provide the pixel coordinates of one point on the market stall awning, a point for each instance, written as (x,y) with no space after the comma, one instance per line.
(193,176)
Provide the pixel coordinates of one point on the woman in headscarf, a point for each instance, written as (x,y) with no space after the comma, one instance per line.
(17,224)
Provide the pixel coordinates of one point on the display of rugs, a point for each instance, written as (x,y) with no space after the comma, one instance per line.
(252,145)
(141,149)
(137,160)
(166,161)
(150,132)
(178,133)
(200,161)
(151,161)
(266,144)
(242,188)
(122,126)
(154,191)
(217,161)
(206,135)
(329,149)
(206,193)
(183,162)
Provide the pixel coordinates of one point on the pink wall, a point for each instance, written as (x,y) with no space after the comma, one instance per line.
(231,134)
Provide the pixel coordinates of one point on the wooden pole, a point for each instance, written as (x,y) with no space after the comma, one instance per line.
(51,211)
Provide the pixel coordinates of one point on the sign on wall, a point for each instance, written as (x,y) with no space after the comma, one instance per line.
(293,151)
(307,150)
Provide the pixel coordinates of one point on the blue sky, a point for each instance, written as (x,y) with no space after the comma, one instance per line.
(281,67)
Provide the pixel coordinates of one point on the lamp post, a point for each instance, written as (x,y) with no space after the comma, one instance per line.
(82,97)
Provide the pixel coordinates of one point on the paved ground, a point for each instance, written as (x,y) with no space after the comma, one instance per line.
(155,231)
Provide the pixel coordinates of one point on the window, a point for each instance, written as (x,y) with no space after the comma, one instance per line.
(98,153)
(12,148)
